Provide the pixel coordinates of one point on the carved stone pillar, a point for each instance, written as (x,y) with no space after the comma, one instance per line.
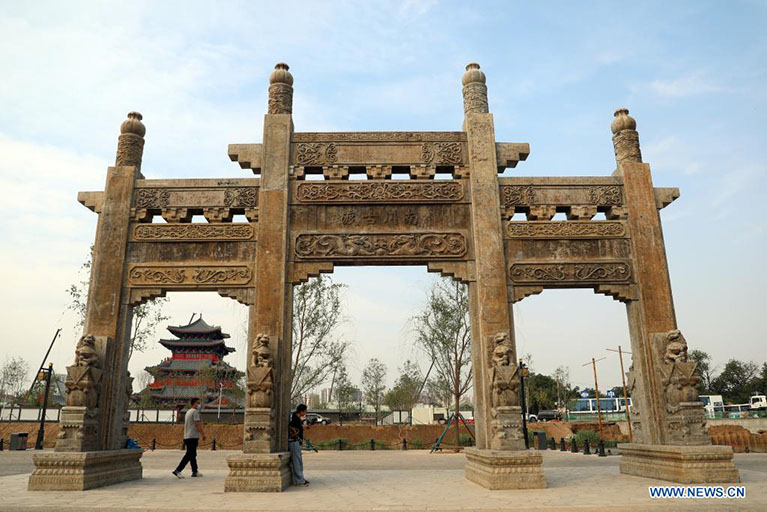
(664,411)
(266,426)
(107,326)
(495,377)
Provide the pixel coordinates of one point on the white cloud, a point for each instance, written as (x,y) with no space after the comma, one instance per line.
(692,84)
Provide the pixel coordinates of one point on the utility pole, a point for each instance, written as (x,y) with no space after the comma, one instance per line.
(523,372)
(44,374)
(220,392)
(625,393)
(593,363)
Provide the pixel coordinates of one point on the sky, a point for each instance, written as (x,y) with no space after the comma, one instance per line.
(692,73)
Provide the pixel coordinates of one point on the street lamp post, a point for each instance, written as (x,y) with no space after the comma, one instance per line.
(523,372)
(44,374)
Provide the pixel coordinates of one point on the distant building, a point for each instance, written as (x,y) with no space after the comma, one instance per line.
(325,397)
(195,369)
(313,401)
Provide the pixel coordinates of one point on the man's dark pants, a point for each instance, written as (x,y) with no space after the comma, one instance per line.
(189,456)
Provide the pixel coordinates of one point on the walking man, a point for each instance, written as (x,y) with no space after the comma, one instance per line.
(295,440)
(192,432)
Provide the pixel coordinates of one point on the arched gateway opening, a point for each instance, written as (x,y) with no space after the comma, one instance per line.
(297,228)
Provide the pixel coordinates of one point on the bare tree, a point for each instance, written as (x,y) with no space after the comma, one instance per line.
(374,386)
(13,379)
(444,332)
(317,352)
(146,317)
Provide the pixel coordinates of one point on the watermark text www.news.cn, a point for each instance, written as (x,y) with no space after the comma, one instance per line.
(697,491)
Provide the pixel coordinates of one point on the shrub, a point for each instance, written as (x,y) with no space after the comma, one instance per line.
(415,444)
(466,440)
(382,445)
(591,436)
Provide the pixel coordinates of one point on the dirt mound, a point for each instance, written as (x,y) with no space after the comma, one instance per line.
(727,429)
(610,430)
(555,429)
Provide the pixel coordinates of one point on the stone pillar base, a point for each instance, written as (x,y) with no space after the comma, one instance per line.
(258,472)
(496,469)
(78,471)
(682,464)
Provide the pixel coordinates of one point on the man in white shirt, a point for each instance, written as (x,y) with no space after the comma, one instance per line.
(192,432)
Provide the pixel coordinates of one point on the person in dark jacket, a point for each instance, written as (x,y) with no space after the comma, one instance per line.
(295,440)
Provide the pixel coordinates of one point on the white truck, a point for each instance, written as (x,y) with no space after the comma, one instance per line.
(757,402)
(712,404)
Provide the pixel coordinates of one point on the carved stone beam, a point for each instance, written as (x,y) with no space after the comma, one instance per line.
(378,172)
(176,215)
(509,154)
(664,196)
(217,214)
(245,296)
(620,292)
(422,172)
(520,292)
(336,172)
(91,200)
(545,212)
(461,271)
(249,156)
(581,212)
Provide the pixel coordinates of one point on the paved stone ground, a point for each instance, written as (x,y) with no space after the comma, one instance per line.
(375,481)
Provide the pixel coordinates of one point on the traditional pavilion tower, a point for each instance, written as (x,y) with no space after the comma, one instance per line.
(195,369)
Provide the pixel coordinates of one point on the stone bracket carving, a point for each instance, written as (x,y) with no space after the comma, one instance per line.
(246,296)
(461,271)
(94,201)
(520,292)
(302,272)
(620,292)
(509,154)
(664,196)
(138,296)
(249,156)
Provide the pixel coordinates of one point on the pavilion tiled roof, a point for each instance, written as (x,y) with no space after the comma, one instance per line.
(198,329)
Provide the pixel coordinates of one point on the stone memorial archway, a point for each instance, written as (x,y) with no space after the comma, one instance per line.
(460,227)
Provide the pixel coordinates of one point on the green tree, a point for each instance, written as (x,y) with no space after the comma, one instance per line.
(404,394)
(344,392)
(705,370)
(737,381)
(374,385)
(316,350)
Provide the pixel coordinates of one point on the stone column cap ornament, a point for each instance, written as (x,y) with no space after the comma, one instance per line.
(281,74)
(474,90)
(133,124)
(623,121)
(473,74)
